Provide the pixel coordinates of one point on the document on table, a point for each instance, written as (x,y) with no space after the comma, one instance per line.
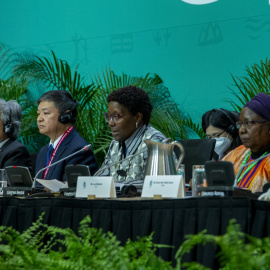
(54,185)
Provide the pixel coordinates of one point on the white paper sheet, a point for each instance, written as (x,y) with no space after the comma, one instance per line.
(54,185)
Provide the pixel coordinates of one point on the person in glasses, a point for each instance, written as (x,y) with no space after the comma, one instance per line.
(128,116)
(220,124)
(56,117)
(251,163)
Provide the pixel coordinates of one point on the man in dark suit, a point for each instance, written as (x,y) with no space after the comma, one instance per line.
(12,152)
(57,113)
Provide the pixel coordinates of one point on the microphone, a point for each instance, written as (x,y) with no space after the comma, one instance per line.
(242,167)
(129,157)
(85,148)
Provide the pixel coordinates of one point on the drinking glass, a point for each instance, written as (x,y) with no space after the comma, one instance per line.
(198,179)
(181,171)
(3,180)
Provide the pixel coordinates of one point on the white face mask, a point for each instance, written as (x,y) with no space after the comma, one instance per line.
(222,144)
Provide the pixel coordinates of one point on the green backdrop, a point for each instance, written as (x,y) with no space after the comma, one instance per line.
(194,48)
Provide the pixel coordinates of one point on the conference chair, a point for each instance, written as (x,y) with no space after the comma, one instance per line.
(197,151)
(33,157)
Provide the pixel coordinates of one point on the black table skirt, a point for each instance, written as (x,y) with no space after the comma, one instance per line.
(170,220)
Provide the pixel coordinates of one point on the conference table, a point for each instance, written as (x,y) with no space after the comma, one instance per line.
(128,218)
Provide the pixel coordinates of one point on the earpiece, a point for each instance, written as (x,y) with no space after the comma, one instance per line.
(9,127)
(67,116)
(232,129)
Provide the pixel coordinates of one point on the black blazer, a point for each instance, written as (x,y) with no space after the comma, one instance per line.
(72,143)
(14,153)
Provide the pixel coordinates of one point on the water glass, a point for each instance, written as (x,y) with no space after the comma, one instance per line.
(198,179)
(181,171)
(3,180)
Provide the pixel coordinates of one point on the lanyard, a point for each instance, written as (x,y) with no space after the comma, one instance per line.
(54,151)
(249,167)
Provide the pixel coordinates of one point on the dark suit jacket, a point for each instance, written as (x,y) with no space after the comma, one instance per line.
(72,143)
(14,153)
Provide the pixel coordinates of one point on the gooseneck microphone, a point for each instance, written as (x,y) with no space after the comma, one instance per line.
(113,164)
(242,167)
(85,148)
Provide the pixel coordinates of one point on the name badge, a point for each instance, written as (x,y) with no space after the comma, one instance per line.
(168,186)
(101,187)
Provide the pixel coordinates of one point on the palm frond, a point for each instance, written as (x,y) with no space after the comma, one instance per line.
(147,82)
(6,58)
(55,73)
(187,122)
(256,81)
(109,81)
(170,124)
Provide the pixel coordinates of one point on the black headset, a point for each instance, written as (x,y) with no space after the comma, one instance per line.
(67,116)
(232,129)
(9,126)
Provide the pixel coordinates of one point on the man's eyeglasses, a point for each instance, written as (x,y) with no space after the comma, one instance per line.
(248,124)
(115,117)
(215,135)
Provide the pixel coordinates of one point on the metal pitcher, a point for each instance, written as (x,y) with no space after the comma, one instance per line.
(160,158)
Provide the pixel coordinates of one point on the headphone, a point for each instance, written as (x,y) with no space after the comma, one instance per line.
(9,126)
(232,129)
(67,116)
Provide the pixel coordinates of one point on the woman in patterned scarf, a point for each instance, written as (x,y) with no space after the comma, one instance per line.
(128,116)
(254,131)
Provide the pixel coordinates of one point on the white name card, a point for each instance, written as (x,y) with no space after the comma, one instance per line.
(101,187)
(168,186)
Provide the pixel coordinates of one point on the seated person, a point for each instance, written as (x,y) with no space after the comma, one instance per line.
(254,131)
(12,152)
(220,124)
(57,115)
(129,113)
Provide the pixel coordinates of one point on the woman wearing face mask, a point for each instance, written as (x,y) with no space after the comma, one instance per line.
(220,124)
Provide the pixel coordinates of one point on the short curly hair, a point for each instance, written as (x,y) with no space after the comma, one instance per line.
(134,99)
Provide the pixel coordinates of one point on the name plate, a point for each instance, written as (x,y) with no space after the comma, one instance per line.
(101,187)
(20,192)
(168,186)
(216,191)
